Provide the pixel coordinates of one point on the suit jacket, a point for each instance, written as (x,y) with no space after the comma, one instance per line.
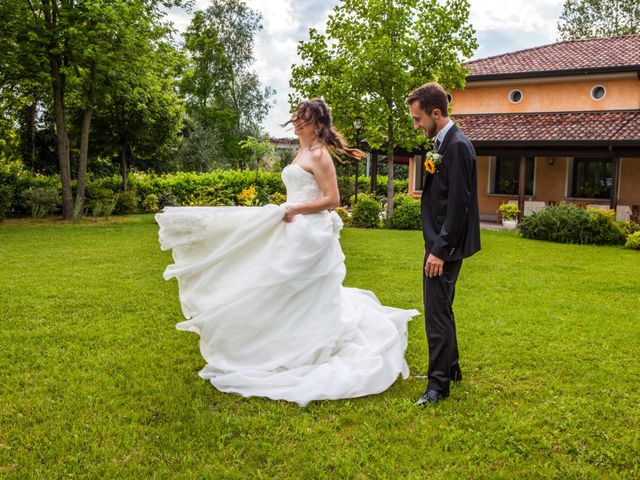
(449,205)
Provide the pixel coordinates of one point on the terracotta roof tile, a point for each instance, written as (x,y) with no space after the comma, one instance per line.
(590,54)
(543,127)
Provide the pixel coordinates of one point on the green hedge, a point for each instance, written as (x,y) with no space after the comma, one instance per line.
(406,214)
(149,192)
(567,223)
(346,186)
(367,212)
(633,241)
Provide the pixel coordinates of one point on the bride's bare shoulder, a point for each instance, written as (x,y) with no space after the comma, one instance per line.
(321,157)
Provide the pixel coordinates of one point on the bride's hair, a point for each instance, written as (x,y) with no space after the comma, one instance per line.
(316,110)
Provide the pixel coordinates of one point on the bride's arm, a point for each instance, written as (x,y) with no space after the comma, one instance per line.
(324,172)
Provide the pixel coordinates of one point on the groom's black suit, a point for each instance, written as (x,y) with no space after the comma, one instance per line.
(451,231)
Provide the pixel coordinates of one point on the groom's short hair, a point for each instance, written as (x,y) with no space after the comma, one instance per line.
(431,96)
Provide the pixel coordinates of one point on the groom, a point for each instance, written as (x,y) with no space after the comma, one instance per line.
(451,231)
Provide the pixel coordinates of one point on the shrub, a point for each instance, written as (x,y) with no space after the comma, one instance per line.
(567,223)
(406,214)
(96,193)
(150,203)
(6,199)
(104,208)
(367,212)
(352,198)
(41,200)
(248,196)
(633,241)
(629,227)
(344,215)
(278,198)
(508,211)
(126,202)
(219,187)
(346,187)
(403,199)
(167,199)
(603,228)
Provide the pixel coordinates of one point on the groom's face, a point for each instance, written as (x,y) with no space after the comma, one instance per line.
(422,121)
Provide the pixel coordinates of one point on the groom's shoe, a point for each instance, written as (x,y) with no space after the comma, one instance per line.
(431,396)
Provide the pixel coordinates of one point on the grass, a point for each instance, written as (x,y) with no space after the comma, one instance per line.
(95,382)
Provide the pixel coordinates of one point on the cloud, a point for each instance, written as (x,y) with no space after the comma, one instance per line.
(501,26)
(286,22)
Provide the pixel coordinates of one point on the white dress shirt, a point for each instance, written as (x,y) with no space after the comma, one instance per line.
(442,133)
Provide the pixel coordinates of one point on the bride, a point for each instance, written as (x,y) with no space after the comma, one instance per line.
(266,295)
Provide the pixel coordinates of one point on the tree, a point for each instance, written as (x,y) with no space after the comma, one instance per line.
(598,18)
(374,53)
(219,84)
(139,115)
(73,47)
(200,148)
(262,153)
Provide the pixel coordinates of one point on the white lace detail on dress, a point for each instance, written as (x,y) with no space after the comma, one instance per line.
(301,185)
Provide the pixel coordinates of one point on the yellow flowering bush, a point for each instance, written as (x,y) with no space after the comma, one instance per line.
(278,198)
(247,196)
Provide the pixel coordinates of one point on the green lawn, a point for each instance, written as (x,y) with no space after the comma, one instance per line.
(96,382)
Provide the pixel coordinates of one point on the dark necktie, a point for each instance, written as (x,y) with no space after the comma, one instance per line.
(438,142)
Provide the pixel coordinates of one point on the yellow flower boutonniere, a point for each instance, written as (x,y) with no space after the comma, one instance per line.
(432,161)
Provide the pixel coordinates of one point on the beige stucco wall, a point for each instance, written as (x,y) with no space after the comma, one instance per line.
(560,96)
(550,179)
(630,181)
(550,184)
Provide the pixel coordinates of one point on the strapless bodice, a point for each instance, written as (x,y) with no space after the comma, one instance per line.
(301,185)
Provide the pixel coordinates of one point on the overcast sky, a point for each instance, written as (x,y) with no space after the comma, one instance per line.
(501,26)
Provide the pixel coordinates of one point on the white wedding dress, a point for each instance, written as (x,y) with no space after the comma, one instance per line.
(267,300)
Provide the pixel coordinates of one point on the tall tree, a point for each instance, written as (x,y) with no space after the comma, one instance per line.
(598,18)
(223,93)
(373,54)
(72,46)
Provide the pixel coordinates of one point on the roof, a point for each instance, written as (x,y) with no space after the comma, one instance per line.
(562,128)
(593,55)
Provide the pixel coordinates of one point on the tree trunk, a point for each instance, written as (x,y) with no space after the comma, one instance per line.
(123,167)
(84,154)
(374,173)
(32,133)
(390,167)
(51,14)
(84,142)
(63,140)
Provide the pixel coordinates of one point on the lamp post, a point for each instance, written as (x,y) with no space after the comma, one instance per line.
(358,123)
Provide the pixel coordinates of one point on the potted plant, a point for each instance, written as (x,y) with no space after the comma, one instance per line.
(509,214)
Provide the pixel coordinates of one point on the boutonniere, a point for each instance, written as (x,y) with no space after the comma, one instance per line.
(432,161)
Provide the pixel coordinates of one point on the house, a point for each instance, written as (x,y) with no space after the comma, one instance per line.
(285,144)
(556,123)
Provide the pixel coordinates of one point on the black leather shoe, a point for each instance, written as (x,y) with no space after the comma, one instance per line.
(431,396)
(455,374)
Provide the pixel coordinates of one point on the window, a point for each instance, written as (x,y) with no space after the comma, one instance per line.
(592,177)
(507,173)
(598,92)
(515,96)
(449,98)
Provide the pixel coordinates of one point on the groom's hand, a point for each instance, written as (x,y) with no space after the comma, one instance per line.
(434,266)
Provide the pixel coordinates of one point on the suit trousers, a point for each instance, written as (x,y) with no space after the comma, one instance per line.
(440,325)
